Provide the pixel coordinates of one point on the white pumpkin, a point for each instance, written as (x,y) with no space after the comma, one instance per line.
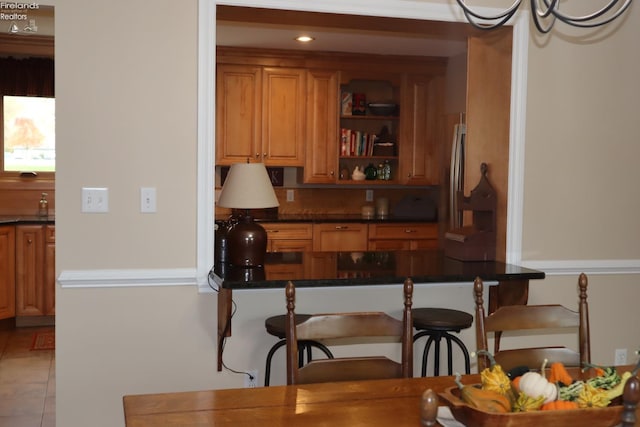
(535,385)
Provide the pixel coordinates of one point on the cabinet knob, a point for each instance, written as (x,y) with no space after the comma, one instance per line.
(264,155)
(29,241)
(257,155)
(332,173)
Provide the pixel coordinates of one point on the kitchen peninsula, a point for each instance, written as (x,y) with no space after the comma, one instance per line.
(352,269)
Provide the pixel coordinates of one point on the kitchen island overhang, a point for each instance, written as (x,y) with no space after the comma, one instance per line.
(352,269)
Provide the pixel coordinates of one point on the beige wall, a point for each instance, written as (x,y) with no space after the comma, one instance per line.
(126,76)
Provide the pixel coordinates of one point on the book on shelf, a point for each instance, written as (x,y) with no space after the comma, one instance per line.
(356,143)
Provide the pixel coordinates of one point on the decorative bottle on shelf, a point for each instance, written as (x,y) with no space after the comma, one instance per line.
(387,170)
(371,172)
(380,171)
(43,209)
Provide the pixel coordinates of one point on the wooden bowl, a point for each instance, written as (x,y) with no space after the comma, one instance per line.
(472,417)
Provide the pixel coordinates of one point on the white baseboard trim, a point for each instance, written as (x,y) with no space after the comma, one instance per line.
(127,278)
(589,267)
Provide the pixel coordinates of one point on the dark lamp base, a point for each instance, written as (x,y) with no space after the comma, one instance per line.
(247,243)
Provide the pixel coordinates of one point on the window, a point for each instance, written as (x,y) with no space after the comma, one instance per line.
(28,134)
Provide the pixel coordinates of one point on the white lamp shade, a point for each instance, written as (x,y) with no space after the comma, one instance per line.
(248,187)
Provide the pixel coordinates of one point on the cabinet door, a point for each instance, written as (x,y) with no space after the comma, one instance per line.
(7,272)
(283,116)
(30,272)
(50,271)
(238,113)
(321,159)
(340,237)
(421,105)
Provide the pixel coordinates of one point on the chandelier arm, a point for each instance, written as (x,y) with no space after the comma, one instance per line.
(537,18)
(536,9)
(505,13)
(586,21)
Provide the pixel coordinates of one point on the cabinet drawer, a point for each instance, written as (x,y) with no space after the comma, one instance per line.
(403,231)
(340,237)
(282,231)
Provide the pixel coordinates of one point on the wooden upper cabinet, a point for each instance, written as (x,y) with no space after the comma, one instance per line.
(283,116)
(321,160)
(421,106)
(238,113)
(260,115)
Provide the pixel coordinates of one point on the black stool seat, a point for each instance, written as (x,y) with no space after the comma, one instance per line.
(437,323)
(275,326)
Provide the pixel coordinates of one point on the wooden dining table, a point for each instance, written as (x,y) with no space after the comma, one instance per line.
(371,403)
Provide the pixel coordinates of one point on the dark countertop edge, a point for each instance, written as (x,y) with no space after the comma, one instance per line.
(16,220)
(526,274)
(336,219)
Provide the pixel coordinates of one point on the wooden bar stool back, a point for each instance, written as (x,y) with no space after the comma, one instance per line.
(349,325)
(533,317)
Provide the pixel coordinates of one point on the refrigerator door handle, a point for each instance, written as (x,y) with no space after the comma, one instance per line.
(456,178)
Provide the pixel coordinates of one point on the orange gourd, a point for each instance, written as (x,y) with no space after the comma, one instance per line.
(515,384)
(559,405)
(558,373)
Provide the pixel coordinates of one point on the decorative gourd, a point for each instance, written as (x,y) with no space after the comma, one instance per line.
(559,405)
(526,403)
(483,400)
(494,378)
(534,384)
(591,397)
(558,374)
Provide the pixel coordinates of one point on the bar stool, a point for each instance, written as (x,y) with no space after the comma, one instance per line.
(438,323)
(275,326)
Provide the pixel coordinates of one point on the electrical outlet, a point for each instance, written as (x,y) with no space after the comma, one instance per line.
(369,195)
(251,379)
(620,357)
(290,196)
(148,203)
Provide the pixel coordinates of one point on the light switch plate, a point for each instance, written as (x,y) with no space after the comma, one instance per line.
(95,200)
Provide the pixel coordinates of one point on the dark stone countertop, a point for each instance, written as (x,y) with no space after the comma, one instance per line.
(342,218)
(366,268)
(26,219)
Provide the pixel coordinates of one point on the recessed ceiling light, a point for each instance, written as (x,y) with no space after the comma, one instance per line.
(304,39)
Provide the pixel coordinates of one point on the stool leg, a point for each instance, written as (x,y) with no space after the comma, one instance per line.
(425,351)
(425,354)
(465,353)
(449,354)
(267,369)
(436,356)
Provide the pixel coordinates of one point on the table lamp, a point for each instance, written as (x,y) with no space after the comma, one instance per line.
(247,187)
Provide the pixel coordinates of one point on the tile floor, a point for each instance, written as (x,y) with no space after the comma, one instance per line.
(27,380)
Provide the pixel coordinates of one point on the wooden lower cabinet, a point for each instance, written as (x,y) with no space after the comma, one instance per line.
(340,237)
(289,237)
(35,277)
(403,236)
(7,272)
